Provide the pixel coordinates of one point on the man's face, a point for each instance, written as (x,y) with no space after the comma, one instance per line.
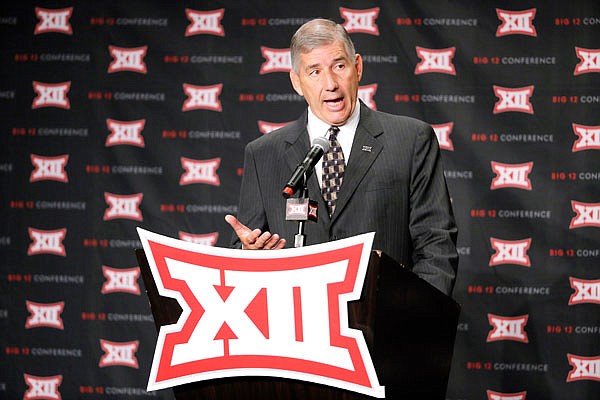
(328,80)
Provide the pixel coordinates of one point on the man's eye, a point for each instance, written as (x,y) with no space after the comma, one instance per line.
(314,72)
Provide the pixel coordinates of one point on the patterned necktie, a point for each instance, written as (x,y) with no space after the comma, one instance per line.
(333,170)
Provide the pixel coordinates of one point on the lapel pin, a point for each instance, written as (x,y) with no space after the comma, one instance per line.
(367,148)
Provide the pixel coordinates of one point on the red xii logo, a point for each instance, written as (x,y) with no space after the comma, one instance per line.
(513,99)
(442,133)
(51,95)
(508,328)
(277,60)
(42,387)
(516,22)
(510,252)
(589,61)
(205,22)
(53,21)
(435,61)
(584,368)
(281,313)
(491,395)
(361,20)
(119,354)
(127,59)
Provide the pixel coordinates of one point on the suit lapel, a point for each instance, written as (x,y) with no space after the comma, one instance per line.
(365,149)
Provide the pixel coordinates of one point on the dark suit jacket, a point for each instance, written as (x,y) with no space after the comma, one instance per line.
(393,185)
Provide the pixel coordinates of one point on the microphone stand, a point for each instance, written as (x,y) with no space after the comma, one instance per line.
(300,238)
(301,209)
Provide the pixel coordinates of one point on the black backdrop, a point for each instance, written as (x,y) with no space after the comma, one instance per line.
(119,114)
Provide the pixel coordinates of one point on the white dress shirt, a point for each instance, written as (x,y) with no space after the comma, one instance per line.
(345,136)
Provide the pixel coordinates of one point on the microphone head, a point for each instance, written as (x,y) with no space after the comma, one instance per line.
(321,142)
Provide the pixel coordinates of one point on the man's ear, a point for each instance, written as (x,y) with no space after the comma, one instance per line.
(295,79)
(359,66)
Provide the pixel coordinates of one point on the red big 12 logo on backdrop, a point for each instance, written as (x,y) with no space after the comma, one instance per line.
(125,133)
(51,95)
(588,137)
(56,21)
(206,239)
(589,61)
(202,97)
(588,215)
(49,168)
(267,127)
(280,313)
(200,171)
(584,368)
(205,22)
(366,93)
(508,328)
(586,291)
(513,99)
(127,59)
(435,61)
(360,20)
(123,207)
(44,315)
(442,133)
(277,60)
(510,252)
(47,242)
(516,22)
(119,353)
(491,395)
(121,280)
(42,387)
(511,175)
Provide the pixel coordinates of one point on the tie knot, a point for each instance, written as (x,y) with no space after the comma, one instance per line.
(333,131)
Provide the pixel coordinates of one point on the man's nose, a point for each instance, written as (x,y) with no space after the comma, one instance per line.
(330,81)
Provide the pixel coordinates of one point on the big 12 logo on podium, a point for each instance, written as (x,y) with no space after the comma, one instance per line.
(280,313)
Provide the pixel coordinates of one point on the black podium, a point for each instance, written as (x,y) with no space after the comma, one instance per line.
(409,327)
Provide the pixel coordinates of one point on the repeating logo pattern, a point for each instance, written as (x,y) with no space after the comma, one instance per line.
(137,114)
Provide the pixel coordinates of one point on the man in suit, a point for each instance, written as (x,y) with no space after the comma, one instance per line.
(390,181)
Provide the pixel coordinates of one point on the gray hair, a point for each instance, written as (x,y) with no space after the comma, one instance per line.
(315,33)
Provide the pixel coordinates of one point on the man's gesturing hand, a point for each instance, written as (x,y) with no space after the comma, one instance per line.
(254,239)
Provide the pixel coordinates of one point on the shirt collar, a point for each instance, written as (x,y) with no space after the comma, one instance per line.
(317,127)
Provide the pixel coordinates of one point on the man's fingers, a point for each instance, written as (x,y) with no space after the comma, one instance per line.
(280,245)
(254,239)
(263,240)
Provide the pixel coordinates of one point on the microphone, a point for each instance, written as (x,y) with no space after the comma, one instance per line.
(320,146)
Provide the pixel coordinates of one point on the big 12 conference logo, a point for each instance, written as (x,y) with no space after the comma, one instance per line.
(360,20)
(513,99)
(53,21)
(51,95)
(278,313)
(589,61)
(586,291)
(588,137)
(491,395)
(128,59)
(435,60)
(588,215)
(584,368)
(516,22)
(49,168)
(42,387)
(277,60)
(508,328)
(205,22)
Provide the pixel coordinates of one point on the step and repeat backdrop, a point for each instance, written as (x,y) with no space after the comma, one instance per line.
(123,114)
